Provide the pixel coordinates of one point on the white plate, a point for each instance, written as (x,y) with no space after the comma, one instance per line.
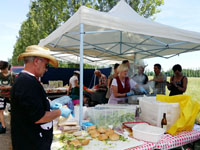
(112,145)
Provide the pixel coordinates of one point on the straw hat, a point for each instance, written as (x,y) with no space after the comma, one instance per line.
(76,71)
(35,50)
(140,63)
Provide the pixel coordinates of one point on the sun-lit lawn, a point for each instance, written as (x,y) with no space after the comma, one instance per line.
(193,88)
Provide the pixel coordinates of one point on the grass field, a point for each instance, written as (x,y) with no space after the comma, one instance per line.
(193,88)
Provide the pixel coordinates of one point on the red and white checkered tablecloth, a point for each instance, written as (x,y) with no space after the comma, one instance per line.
(168,141)
(146,146)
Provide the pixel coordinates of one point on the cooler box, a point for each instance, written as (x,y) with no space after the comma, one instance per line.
(152,111)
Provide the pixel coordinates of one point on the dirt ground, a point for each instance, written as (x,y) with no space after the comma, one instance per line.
(5,139)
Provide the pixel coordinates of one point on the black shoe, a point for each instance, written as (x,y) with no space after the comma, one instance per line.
(2,130)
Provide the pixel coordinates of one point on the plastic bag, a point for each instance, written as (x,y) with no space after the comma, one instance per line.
(188,111)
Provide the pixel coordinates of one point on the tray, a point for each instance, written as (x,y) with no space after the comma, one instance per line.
(147,132)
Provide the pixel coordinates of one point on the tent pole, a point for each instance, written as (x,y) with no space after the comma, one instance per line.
(81,74)
(95,75)
(120,42)
(134,59)
(134,62)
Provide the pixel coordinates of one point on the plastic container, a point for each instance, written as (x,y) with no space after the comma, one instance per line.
(152,111)
(104,115)
(132,124)
(77,111)
(147,132)
(118,106)
(135,98)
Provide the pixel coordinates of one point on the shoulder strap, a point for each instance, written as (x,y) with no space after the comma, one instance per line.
(182,78)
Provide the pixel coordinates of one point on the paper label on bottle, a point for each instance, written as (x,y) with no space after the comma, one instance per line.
(165,127)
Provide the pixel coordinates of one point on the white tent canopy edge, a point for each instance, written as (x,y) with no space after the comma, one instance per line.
(119,34)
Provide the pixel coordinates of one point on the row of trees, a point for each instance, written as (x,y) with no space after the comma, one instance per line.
(186,72)
(73,65)
(45,16)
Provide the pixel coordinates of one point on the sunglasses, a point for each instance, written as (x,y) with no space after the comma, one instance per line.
(46,65)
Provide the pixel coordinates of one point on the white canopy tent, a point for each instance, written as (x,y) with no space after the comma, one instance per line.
(65,57)
(117,35)
(120,34)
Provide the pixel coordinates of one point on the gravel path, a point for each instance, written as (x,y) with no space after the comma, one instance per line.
(5,139)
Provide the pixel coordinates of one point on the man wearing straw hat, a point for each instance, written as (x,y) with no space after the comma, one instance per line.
(31,118)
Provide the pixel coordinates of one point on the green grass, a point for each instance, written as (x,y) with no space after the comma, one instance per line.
(193,88)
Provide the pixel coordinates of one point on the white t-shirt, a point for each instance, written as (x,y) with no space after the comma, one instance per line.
(113,99)
(131,81)
(72,81)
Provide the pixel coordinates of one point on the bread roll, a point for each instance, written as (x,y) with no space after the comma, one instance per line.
(102,130)
(102,137)
(95,134)
(92,131)
(114,137)
(85,142)
(109,131)
(75,143)
(91,128)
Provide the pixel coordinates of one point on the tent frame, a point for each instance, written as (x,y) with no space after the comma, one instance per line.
(161,46)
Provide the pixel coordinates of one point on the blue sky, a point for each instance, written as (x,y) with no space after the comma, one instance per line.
(183,14)
(12,14)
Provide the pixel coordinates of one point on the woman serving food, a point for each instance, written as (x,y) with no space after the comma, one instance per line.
(121,86)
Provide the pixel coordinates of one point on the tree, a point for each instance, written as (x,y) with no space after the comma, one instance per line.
(43,18)
(145,8)
(47,15)
(74,65)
